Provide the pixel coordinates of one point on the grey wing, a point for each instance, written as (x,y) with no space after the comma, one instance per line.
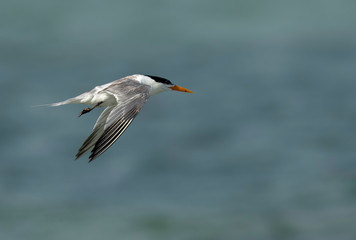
(131,96)
(96,134)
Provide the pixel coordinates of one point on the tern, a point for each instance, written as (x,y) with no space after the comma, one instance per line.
(122,100)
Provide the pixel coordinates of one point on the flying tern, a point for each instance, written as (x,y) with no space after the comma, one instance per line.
(122,100)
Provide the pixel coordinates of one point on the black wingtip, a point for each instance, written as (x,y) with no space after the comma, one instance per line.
(78,155)
(92,157)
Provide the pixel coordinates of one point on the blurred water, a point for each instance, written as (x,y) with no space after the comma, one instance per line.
(265,148)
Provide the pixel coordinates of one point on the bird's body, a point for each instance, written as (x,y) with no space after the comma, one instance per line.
(122,99)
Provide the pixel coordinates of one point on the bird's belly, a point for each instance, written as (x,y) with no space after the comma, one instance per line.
(105,98)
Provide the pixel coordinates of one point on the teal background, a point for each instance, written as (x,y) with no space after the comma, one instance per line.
(264,149)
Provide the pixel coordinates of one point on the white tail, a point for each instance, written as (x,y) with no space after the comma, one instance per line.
(60,103)
(68,101)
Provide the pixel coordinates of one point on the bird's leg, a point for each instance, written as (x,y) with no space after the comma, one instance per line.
(86,110)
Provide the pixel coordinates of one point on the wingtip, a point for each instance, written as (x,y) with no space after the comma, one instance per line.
(92,157)
(78,155)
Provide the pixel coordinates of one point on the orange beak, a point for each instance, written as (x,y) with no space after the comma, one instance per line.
(181,89)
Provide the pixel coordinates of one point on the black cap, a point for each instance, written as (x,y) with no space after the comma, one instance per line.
(160,80)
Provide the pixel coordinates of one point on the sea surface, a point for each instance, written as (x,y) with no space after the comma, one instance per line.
(265,149)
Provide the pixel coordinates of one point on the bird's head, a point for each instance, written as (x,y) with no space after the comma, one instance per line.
(160,84)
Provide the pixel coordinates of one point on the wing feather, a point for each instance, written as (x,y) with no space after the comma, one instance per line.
(105,145)
(96,134)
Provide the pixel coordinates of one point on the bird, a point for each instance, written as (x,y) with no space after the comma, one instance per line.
(122,100)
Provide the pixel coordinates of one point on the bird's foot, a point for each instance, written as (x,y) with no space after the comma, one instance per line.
(85,110)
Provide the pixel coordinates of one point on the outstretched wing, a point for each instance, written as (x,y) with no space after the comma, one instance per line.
(96,134)
(130,96)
